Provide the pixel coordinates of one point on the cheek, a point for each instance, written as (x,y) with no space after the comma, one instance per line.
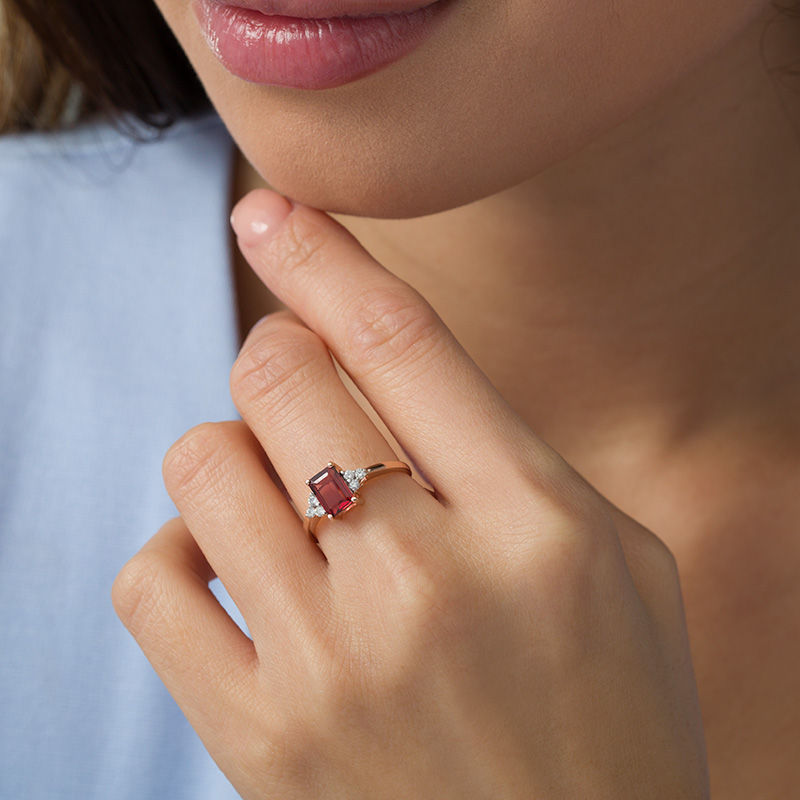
(507,88)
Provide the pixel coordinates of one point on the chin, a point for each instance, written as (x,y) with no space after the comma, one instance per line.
(379,170)
(376,190)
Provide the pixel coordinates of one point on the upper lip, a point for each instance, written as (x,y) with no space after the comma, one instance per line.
(327,9)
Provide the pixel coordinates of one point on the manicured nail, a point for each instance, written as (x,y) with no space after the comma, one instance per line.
(257,216)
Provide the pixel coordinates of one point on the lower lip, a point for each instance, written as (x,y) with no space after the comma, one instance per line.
(310,53)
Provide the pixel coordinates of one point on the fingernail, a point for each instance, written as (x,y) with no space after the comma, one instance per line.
(256,217)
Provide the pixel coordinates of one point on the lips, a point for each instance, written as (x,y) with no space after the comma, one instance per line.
(266,42)
(330,9)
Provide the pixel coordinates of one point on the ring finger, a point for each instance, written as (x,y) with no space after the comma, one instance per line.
(287,390)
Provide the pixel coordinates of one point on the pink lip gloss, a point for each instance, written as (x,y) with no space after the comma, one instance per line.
(311,53)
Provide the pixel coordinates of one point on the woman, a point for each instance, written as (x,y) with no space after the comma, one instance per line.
(600,205)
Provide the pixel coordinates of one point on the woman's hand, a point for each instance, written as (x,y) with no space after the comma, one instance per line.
(510,635)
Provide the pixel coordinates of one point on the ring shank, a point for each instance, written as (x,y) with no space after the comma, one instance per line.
(372,471)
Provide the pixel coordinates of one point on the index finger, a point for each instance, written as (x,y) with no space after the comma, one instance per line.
(431,395)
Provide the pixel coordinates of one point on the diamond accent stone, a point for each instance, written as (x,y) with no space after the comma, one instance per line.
(313,505)
(354,477)
(314,509)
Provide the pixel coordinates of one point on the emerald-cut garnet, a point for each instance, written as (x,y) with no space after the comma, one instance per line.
(332,491)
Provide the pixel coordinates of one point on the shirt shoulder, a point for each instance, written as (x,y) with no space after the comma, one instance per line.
(117,333)
(97,136)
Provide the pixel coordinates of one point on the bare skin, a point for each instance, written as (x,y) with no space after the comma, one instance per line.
(637,305)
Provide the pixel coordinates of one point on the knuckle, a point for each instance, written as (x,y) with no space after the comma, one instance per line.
(667,561)
(427,597)
(566,562)
(559,487)
(559,505)
(584,527)
(559,556)
(432,615)
(340,694)
(286,752)
(276,367)
(576,590)
(657,552)
(138,591)
(385,327)
(647,554)
(360,671)
(421,597)
(193,465)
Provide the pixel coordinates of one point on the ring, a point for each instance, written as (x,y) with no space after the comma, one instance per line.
(334,491)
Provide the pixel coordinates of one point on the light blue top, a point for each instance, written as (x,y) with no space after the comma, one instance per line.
(117,333)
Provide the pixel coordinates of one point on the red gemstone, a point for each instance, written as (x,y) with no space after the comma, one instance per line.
(332,491)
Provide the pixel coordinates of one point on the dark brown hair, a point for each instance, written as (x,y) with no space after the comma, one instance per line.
(64,61)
